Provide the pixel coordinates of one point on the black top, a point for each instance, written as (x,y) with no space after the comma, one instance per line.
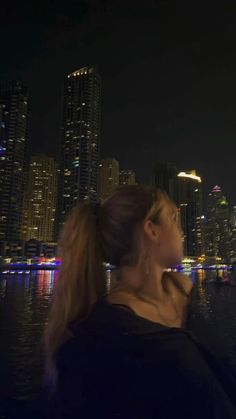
(121,365)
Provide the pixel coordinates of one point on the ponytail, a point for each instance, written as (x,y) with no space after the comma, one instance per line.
(82,281)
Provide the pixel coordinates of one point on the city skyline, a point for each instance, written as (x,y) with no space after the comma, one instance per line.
(168,95)
(57,157)
(81,172)
(80,152)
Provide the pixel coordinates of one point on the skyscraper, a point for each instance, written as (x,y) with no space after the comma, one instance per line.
(3,144)
(190,204)
(211,227)
(108,177)
(80,140)
(164,176)
(14,119)
(40,200)
(127,177)
(233,232)
(218,226)
(233,216)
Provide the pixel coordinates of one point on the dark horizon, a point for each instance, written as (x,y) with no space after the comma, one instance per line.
(168,79)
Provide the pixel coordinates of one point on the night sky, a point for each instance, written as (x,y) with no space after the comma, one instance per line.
(168,78)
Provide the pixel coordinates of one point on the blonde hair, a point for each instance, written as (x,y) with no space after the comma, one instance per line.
(86,242)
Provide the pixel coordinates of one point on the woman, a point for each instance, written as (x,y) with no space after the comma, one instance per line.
(125,352)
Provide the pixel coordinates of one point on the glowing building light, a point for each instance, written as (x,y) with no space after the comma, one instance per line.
(190,176)
(2,150)
(216,189)
(79,72)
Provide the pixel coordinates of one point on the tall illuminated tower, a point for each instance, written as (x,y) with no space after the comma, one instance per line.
(80,141)
(219,230)
(190,204)
(233,229)
(14,119)
(40,200)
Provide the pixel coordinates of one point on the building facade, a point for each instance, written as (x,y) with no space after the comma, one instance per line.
(108,177)
(190,205)
(14,133)
(40,199)
(127,177)
(80,141)
(217,226)
(164,176)
(233,233)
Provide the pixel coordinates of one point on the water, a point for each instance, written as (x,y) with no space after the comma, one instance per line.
(25,300)
(24,303)
(214,315)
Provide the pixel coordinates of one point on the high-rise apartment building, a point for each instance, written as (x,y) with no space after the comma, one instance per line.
(14,132)
(80,140)
(233,232)
(190,205)
(108,177)
(218,229)
(40,200)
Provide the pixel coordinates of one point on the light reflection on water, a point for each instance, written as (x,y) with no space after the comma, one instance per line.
(26,298)
(214,314)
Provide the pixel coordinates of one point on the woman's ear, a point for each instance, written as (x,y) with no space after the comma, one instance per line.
(152,231)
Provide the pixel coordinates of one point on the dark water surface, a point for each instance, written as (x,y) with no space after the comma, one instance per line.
(25,299)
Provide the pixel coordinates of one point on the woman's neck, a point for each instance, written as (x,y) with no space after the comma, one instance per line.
(149,287)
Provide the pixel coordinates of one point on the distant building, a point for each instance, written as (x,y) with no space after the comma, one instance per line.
(11,251)
(3,132)
(211,227)
(14,121)
(80,141)
(108,177)
(222,218)
(127,177)
(40,200)
(233,217)
(233,233)
(218,229)
(190,205)
(32,249)
(164,176)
